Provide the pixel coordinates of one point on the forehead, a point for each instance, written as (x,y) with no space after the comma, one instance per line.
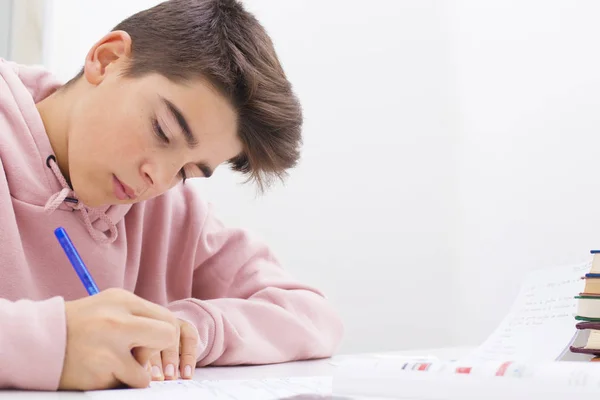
(210,116)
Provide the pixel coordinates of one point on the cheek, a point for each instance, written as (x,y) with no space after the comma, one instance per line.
(128,140)
(85,142)
(116,126)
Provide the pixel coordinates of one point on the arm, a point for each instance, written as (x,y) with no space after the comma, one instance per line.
(248,310)
(32,343)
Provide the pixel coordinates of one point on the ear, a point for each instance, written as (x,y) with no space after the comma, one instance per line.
(112,50)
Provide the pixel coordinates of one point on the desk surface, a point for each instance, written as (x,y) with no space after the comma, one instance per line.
(311,368)
(322,367)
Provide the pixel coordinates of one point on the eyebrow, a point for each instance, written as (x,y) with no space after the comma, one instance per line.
(190,139)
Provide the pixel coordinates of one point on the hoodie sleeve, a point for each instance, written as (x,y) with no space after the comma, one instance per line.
(248,310)
(32,343)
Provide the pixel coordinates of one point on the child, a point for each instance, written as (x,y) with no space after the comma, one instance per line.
(171,93)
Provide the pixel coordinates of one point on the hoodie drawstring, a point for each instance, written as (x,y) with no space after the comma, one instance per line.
(67,195)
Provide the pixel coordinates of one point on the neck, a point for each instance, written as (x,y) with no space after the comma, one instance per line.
(54,111)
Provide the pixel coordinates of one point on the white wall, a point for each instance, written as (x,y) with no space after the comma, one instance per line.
(527,99)
(450,147)
(5,27)
(73,26)
(26,45)
(22,30)
(369,215)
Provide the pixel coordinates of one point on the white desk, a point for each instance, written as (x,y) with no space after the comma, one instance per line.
(324,367)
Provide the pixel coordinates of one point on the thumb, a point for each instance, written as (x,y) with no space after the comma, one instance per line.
(143,355)
(131,372)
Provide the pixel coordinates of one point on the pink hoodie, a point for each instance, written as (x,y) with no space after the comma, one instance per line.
(170,250)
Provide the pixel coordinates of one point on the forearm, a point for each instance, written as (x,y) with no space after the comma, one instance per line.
(274,325)
(32,343)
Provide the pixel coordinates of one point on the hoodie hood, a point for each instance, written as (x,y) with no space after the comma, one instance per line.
(27,156)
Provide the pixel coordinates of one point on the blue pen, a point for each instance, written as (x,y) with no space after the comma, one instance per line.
(76,261)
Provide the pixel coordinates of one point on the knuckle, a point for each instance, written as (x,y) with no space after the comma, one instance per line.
(112,321)
(189,337)
(172,319)
(174,334)
(112,291)
(189,332)
(108,291)
(170,354)
(155,359)
(127,295)
(188,353)
(117,294)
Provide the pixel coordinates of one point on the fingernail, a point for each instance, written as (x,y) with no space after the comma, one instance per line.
(156,371)
(187,372)
(169,370)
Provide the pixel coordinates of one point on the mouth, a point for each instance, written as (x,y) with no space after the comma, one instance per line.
(122,191)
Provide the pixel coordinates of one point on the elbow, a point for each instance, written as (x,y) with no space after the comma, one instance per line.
(328,332)
(334,334)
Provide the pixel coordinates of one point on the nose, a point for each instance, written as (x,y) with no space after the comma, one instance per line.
(147,172)
(157,176)
(148,179)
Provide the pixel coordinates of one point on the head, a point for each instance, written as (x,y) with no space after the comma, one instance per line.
(173,92)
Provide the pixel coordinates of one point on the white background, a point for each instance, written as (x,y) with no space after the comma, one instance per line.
(450,147)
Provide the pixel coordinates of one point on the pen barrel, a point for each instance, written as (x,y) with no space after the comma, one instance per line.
(76,261)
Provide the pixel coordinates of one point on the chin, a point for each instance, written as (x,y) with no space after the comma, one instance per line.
(87,198)
(91,202)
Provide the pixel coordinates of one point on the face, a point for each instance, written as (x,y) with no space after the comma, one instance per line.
(131,139)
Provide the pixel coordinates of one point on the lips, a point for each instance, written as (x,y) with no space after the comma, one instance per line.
(122,191)
(130,192)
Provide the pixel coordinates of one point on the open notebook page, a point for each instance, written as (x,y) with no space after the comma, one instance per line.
(259,389)
(541,323)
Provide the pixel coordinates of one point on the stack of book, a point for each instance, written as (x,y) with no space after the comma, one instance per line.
(588,310)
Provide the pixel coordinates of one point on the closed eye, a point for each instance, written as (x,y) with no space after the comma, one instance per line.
(164,139)
(158,131)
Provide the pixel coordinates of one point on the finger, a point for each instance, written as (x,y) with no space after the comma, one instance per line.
(170,362)
(189,344)
(150,333)
(142,356)
(156,367)
(170,358)
(148,358)
(131,373)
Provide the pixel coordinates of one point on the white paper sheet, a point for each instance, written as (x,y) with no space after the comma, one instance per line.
(541,323)
(255,389)
(548,380)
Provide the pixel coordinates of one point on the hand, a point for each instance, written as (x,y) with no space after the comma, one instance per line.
(111,337)
(182,357)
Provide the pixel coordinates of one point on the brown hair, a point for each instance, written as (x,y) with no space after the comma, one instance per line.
(222,42)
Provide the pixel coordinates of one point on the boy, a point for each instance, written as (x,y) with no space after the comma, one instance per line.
(170,94)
